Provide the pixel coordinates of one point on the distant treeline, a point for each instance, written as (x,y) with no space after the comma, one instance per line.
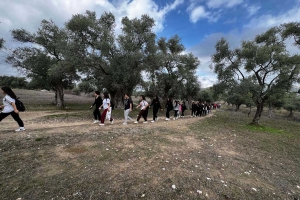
(14,82)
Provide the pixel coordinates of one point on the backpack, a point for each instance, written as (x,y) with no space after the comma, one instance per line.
(20,106)
(112,105)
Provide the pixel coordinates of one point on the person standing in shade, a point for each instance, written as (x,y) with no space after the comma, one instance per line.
(169,107)
(98,103)
(9,107)
(156,106)
(107,108)
(144,110)
(127,108)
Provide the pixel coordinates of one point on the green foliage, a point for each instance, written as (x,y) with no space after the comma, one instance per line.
(48,60)
(263,62)
(291,102)
(172,73)
(76,91)
(13,82)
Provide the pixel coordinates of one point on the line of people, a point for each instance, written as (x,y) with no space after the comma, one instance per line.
(178,107)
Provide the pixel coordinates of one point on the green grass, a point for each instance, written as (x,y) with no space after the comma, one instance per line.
(221,156)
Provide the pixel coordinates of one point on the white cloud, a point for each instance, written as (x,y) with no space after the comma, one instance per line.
(220,3)
(270,20)
(198,13)
(28,14)
(206,48)
(252,10)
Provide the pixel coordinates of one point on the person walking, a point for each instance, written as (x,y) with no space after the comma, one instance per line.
(98,103)
(144,110)
(9,107)
(176,108)
(156,106)
(107,110)
(183,108)
(169,107)
(194,109)
(127,108)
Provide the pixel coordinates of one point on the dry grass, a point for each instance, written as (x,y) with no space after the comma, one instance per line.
(63,156)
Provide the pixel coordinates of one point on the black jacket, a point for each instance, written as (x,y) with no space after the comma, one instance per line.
(98,102)
(156,104)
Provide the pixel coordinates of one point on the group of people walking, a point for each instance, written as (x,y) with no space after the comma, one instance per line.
(178,107)
(198,109)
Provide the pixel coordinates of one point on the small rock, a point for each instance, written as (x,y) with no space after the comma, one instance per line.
(173,187)
(199,191)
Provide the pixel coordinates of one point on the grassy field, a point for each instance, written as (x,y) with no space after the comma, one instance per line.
(62,155)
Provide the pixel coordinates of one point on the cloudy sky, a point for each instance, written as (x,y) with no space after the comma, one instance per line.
(199,23)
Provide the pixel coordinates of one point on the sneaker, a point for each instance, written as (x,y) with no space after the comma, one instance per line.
(174,118)
(152,121)
(124,123)
(96,121)
(101,124)
(145,122)
(167,119)
(20,129)
(136,122)
(112,121)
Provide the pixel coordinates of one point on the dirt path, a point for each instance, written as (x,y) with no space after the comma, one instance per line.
(34,125)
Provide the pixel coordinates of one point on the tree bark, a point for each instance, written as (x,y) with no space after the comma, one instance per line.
(291,113)
(237,107)
(271,111)
(249,111)
(60,95)
(259,109)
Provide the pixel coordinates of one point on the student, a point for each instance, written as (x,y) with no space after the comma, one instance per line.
(107,109)
(176,108)
(156,106)
(9,107)
(98,103)
(127,108)
(179,109)
(183,107)
(169,107)
(194,109)
(144,110)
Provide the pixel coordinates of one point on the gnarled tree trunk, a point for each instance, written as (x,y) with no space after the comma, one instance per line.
(259,109)
(60,95)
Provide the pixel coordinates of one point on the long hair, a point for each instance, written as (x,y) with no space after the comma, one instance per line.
(143,97)
(9,92)
(106,95)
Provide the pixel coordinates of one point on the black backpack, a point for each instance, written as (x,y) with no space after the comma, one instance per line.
(112,105)
(20,106)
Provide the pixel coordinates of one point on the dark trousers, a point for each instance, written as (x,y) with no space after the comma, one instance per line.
(175,113)
(168,113)
(144,114)
(182,114)
(97,114)
(14,115)
(104,115)
(194,112)
(155,110)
